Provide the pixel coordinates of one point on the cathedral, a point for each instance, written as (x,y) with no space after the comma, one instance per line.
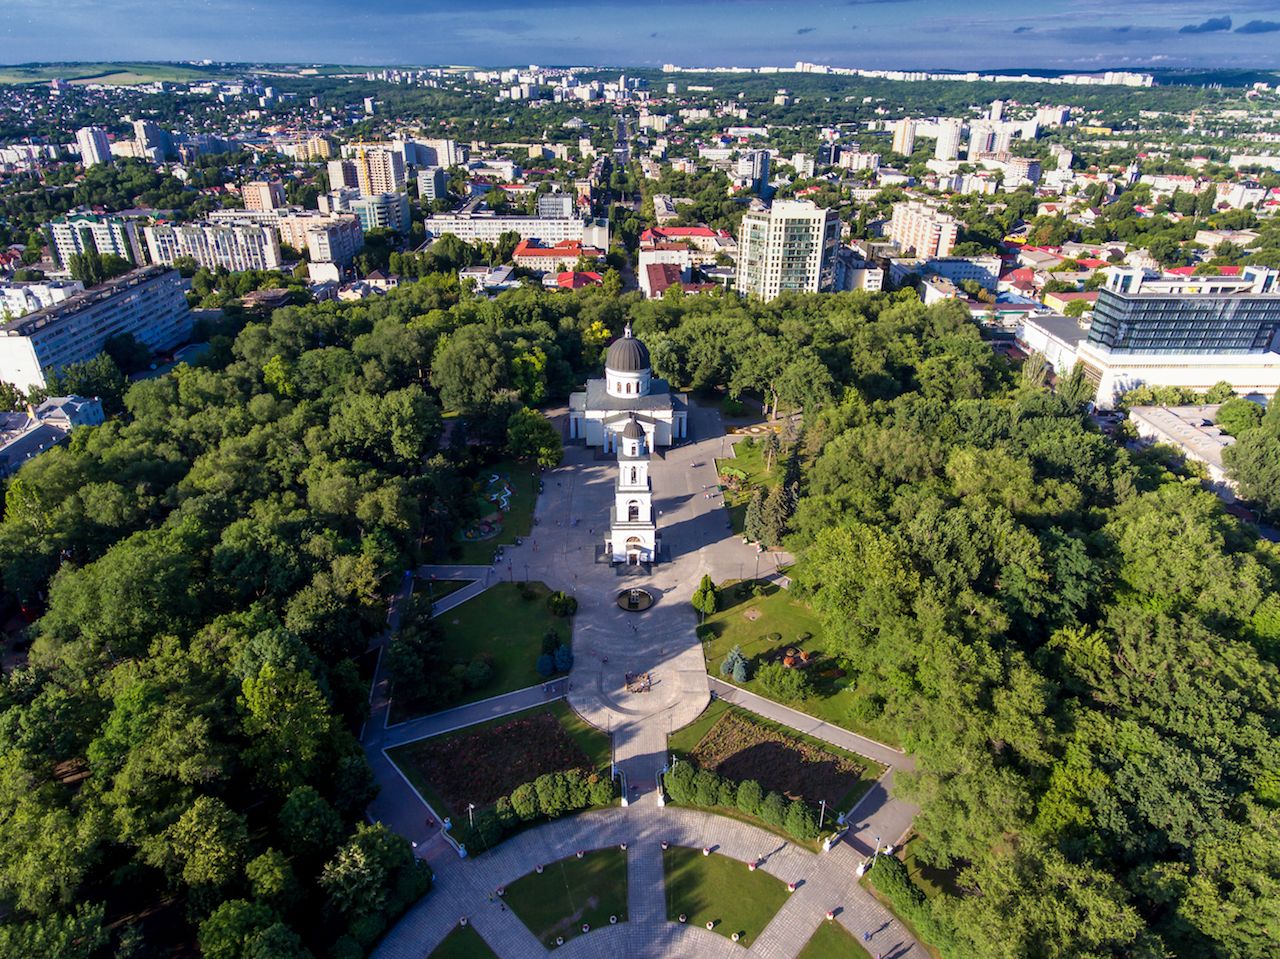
(627,393)
(633,533)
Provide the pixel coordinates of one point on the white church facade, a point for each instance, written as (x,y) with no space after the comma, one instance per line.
(633,530)
(628,391)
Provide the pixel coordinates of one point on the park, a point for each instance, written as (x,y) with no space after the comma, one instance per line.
(648,794)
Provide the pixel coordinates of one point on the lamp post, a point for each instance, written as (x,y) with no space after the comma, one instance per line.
(471,815)
(822,814)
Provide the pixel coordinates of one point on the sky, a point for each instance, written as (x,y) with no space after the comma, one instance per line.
(909,34)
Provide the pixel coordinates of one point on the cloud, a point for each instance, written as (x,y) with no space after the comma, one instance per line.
(1023,29)
(1212,25)
(1259,26)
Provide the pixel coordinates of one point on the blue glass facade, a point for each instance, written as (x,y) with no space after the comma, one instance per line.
(1159,323)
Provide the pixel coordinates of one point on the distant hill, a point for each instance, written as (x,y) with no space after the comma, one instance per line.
(124,74)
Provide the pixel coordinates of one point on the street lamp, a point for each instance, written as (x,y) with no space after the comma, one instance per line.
(822,813)
(471,817)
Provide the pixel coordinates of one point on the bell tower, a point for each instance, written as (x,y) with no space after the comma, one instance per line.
(632,530)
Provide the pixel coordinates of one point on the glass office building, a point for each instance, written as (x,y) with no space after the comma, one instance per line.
(1137,313)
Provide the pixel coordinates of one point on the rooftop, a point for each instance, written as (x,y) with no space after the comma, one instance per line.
(26,325)
(1185,426)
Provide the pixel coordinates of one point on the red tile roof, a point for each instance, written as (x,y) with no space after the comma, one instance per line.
(576,280)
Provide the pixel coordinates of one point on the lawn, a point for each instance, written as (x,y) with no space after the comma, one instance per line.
(517,519)
(743,746)
(720,890)
(572,892)
(930,879)
(481,763)
(748,457)
(765,627)
(438,589)
(833,941)
(502,625)
(463,943)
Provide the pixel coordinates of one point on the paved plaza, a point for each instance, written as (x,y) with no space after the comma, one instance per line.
(563,551)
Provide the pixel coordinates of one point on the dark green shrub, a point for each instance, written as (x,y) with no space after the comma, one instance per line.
(728,794)
(749,797)
(706,787)
(800,821)
(562,604)
(773,810)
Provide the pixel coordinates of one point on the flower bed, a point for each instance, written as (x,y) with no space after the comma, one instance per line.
(738,749)
(482,766)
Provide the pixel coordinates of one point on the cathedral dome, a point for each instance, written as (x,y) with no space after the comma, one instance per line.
(627,354)
(633,430)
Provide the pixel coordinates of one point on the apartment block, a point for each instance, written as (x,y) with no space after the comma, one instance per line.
(379,170)
(904,137)
(94,146)
(232,246)
(93,233)
(433,183)
(149,304)
(487,226)
(924,229)
(790,247)
(262,195)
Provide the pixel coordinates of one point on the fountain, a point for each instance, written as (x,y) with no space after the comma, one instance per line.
(634,599)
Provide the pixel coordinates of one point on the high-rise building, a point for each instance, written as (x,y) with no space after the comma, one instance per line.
(1140,313)
(154,141)
(382,211)
(904,136)
(342,173)
(1192,332)
(93,233)
(981,139)
(379,170)
(792,246)
(754,165)
(262,195)
(556,205)
(996,112)
(148,304)
(94,146)
(445,153)
(948,145)
(1003,140)
(328,239)
(922,228)
(232,246)
(433,184)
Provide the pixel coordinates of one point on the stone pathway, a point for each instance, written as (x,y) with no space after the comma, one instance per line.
(825,882)
(571,522)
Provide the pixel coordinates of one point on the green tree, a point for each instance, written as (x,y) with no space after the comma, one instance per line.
(705,598)
(1237,416)
(532,437)
(209,842)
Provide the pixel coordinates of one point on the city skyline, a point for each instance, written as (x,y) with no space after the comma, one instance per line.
(907,34)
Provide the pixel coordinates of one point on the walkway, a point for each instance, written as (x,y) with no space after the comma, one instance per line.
(826,882)
(571,522)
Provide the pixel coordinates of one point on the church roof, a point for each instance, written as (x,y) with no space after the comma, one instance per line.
(633,430)
(657,399)
(627,354)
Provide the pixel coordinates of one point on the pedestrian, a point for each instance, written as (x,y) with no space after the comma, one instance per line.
(866,937)
(491,899)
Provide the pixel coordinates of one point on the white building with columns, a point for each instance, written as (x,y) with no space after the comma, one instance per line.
(628,392)
(633,532)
